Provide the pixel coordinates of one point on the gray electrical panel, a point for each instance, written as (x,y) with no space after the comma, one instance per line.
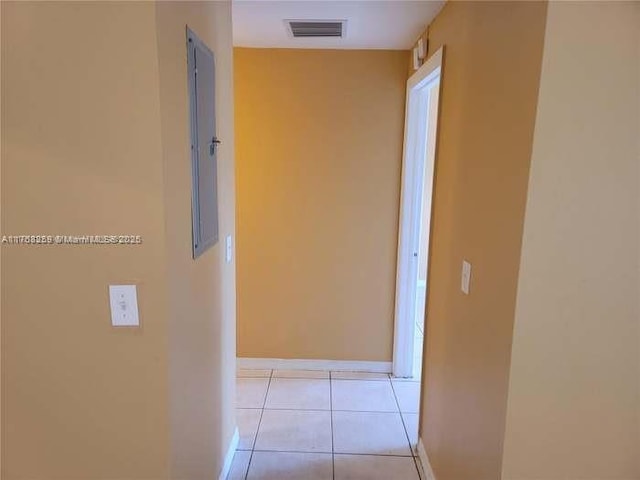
(204,144)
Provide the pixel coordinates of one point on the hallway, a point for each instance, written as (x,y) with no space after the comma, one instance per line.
(321,425)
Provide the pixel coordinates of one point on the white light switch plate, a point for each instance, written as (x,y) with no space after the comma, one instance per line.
(124,305)
(466,277)
(228,249)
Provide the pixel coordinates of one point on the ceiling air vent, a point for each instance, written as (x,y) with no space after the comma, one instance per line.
(316,28)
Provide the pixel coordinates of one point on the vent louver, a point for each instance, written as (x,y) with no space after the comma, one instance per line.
(316,28)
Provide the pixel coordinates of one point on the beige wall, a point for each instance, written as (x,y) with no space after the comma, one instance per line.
(80,155)
(94,134)
(319,145)
(1,341)
(574,398)
(488,99)
(201,293)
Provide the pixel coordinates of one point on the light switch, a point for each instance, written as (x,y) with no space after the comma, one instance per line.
(466,277)
(229,249)
(124,305)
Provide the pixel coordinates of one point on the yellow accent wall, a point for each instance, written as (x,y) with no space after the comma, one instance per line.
(319,146)
(574,397)
(95,141)
(490,76)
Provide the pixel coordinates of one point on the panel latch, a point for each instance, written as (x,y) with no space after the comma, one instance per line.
(212,146)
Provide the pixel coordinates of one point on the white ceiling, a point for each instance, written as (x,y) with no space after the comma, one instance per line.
(376,24)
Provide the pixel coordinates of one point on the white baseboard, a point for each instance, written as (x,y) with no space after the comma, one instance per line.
(306,364)
(424,461)
(228,458)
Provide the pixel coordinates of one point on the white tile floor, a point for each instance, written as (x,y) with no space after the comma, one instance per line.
(297,425)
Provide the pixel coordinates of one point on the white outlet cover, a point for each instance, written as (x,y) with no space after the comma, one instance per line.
(466,277)
(416,58)
(124,305)
(421,50)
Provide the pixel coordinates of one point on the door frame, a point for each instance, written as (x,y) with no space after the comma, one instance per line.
(413,182)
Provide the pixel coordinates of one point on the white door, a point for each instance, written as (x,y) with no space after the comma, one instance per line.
(415,209)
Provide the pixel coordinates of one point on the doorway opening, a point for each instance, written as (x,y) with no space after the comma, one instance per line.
(418,165)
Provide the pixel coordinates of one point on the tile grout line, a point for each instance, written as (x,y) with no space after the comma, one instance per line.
(253,447)
(305,452)
(333,453)
(395,396)
(413,456)
(321,409)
